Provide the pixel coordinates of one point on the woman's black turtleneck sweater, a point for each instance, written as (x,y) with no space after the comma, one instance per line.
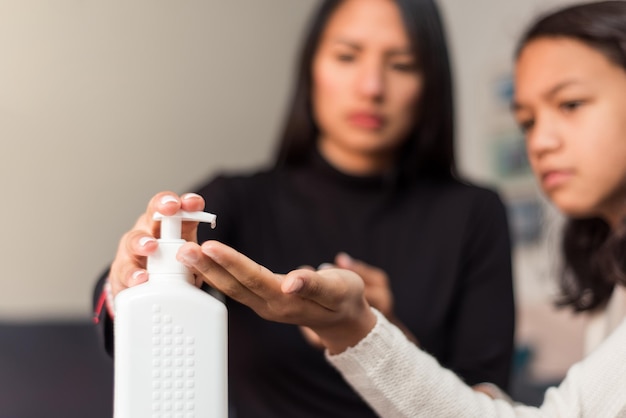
(444,245)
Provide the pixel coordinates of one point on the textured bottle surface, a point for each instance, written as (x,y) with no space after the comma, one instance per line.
(170,352)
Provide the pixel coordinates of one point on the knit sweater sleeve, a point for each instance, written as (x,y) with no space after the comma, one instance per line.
(399,380)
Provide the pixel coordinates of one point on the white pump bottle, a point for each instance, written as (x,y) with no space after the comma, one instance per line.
(170,338)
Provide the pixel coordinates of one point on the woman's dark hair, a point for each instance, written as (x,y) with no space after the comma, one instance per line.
(594,256)
(429,149)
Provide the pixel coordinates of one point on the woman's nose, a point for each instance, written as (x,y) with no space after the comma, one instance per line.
(370,80)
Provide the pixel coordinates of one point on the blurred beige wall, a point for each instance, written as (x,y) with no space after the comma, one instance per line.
(104,103)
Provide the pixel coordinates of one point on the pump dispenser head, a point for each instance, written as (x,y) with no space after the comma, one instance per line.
(171,225)
(163,262)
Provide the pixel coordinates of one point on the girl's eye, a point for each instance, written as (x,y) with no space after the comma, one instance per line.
(525,125)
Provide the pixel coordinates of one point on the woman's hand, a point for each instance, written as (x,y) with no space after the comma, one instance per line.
(377,291)
(129,266)
(331,301)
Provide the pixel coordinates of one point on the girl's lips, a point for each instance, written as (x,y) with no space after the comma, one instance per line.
(555,178)
(366,120)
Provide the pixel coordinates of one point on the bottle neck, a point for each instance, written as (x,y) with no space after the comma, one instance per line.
(163,264)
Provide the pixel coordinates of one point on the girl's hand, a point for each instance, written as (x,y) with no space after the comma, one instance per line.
(330,301)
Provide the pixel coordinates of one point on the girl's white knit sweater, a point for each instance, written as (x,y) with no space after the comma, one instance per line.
(399,380)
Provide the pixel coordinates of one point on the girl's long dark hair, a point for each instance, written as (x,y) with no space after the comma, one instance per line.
(595,256)
(429,149)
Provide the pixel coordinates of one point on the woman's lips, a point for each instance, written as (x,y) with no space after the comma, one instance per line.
(552,179)
(366,120)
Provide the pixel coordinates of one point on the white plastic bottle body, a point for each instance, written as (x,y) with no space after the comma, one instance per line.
(170,352)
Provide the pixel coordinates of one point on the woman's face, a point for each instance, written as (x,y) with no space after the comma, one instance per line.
(366,86)
(571,102)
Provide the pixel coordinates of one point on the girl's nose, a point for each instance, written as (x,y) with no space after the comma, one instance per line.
(542,138)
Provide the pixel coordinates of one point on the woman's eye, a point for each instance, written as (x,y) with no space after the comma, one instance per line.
(571,105)
(403,66)
(345,57)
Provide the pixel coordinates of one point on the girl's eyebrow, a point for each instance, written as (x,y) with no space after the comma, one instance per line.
(560,86)
(515,106)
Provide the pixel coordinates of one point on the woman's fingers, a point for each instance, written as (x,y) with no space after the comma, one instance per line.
(369,274)
(168,203)
(377,289)
(129,266)
(140,244)
(311,337)
(191,202)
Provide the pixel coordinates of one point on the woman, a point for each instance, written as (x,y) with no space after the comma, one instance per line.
(570,100)
(365,179)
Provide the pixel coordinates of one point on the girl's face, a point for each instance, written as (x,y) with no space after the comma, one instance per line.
(366,86)
(570,101)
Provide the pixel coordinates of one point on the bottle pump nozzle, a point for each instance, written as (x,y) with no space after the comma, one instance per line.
(171,225)
(163,261)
